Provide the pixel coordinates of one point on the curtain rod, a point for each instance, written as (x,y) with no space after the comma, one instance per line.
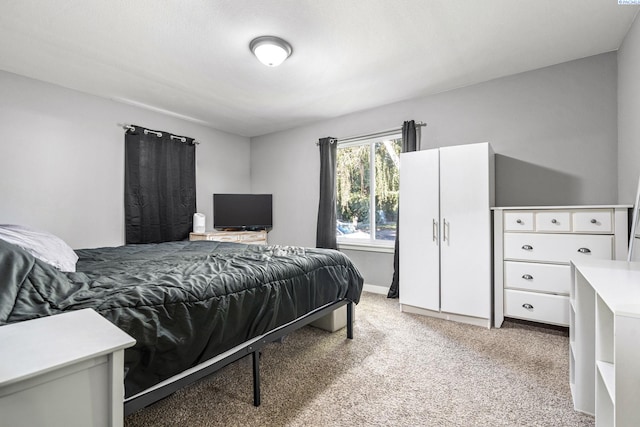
(375,134)
(372,135)
(158,134)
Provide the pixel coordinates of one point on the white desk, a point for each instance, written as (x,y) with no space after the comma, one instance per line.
(64,370)
(605,341)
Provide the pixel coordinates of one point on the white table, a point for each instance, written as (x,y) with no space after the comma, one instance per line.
(63,370)
(605,341)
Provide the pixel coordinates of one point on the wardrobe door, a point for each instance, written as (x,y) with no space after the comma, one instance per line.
(419,230)
(465,264)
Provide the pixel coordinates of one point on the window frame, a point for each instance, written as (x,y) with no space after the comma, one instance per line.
(371,244)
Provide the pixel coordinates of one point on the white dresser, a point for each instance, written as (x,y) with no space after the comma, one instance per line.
(533,247)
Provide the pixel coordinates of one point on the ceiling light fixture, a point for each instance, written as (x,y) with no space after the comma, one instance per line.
(270,50)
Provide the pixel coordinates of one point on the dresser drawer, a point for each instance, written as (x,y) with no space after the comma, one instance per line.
(518,221)
(553,221)
(556,247)
(544,308)
(595,221)
(550,278)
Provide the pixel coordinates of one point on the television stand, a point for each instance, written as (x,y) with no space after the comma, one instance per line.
(237,236)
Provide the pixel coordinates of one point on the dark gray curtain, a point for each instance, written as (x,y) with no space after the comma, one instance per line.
(409,143)
(326,232)
(160,187)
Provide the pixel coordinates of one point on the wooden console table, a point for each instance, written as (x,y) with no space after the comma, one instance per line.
(248,237)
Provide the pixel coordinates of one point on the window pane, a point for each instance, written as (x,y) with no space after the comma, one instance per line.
(353,192)
(387,188)
(367,190)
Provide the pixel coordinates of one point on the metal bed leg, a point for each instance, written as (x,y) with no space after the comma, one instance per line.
(256,378)
(350,320)
(252,347)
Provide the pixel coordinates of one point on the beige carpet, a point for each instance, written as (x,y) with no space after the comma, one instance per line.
(400,370)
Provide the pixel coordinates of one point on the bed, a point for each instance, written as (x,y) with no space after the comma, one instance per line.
(192,307)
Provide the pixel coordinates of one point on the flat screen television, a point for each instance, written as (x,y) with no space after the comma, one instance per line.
(242,211)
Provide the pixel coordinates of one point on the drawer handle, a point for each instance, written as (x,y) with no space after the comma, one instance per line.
(554,221)
(527,306)
(527,277)
(593,221)
(527,247)
(584,250)
(519,221)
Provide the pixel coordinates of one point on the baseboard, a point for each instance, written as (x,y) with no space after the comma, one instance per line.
(477,321)
(382,290)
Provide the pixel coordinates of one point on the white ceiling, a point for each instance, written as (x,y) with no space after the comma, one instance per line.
(191,57)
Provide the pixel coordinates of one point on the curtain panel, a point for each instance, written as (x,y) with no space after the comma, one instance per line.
(409,143)
(327,218)
(160,186)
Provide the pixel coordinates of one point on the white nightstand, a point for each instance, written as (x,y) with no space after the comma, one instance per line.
(63,370)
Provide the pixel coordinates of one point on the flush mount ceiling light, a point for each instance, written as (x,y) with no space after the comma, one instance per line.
(270,50)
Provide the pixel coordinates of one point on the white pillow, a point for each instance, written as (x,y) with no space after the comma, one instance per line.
(42,245)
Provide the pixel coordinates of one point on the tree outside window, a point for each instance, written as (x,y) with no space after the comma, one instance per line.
(368,184)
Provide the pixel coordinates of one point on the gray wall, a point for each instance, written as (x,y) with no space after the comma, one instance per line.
(554,131)
(62,160)
(375,267)
(629,115)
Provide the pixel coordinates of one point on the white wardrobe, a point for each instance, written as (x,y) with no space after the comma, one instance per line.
(445,232)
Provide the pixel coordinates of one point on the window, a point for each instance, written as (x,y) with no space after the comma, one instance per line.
(367,190)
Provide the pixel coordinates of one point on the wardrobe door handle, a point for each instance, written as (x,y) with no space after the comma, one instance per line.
(584,250)
(527,247)
(435,231)
(527,306)
(445,229)
(527,277)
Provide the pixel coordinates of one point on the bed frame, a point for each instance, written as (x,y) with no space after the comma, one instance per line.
(252,347)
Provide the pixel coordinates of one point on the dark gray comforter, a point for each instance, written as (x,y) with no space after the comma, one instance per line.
(183,302)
